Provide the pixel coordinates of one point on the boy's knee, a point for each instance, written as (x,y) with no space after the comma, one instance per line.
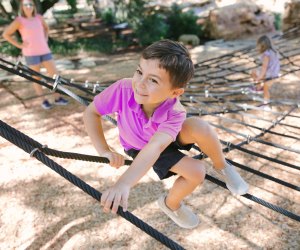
(199,175)
(197,126)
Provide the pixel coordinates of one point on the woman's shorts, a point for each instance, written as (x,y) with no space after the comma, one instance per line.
(34,60)
(167,159)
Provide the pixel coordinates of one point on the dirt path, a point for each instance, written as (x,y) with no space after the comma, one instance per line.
(41,210)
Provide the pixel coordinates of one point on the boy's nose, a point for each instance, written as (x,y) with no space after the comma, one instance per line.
(142,83)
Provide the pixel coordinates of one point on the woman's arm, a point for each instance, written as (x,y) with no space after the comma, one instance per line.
(45,26)
(93,125)
(9,31)
(119,193)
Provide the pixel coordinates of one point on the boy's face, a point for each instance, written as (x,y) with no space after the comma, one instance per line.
(152,85)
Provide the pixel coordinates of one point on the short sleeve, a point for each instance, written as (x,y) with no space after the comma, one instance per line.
(109,100)
(267,53)
(173,124)
(18,19)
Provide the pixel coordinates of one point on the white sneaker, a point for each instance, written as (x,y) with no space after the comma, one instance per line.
(183,216)
(267,108)
(234,182)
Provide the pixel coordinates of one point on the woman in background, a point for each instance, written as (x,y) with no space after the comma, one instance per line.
(34,45)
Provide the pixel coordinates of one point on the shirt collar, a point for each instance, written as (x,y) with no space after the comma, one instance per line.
(160,114)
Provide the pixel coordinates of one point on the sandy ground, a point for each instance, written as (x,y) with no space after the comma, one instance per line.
(41,210)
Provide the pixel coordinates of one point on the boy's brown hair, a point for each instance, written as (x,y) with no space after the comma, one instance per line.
(174,58)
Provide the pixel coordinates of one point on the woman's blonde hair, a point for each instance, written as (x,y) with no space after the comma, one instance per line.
(21,11)
(264,43)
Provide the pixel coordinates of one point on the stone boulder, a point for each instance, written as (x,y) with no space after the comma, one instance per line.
(189,39)
(238,20)
(291,17)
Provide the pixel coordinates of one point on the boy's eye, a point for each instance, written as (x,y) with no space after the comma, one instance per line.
(153,80)
(138,71)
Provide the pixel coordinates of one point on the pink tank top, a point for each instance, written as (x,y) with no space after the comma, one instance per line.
(32,32)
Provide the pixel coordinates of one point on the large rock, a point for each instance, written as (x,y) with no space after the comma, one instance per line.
(238,20)
(189,39)
(291,17)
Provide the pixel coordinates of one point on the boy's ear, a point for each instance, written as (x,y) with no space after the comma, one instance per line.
(178,92)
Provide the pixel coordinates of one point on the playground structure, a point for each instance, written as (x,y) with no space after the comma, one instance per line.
(219,93)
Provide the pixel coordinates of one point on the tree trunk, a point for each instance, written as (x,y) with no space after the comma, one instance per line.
(3,10)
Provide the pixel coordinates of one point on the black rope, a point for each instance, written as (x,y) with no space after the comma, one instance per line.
(16,137)
(273,144)
(84,186)
(266,176)
(211,77)
(231,145)
(235,121)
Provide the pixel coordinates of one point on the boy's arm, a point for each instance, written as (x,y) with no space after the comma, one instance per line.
(119,193)
(93,125)
(264,67)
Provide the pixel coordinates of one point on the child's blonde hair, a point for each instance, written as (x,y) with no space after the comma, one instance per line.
(21,11)
(264,43)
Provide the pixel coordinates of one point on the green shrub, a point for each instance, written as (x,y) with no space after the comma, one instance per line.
(277,21)
(8,49)
(4,21)
(73,5)
(151,28)
(63,48)
(108,16)
(96,44)
(182,23)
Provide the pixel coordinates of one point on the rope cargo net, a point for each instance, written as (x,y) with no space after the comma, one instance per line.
(219,92)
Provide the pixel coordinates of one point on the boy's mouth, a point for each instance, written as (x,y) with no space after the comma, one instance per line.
(140,94)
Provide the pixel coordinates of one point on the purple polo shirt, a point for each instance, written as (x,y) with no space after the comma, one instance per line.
(135,129)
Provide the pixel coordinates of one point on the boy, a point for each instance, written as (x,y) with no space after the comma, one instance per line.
(153,126)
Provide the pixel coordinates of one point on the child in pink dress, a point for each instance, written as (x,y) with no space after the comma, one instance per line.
(270,66)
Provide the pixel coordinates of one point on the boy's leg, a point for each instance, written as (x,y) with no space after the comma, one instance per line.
(195,130)
(191,174)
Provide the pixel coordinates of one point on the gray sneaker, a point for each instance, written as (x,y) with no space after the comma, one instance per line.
(234,182)
(183,216)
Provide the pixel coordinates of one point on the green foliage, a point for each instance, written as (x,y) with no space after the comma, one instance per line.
(72,4)
(8,49)
(135,12)
(277,21)
(63,48)
(4,21)
(151,28)
(108,16)
(182,23)
(96,44)
(62,15)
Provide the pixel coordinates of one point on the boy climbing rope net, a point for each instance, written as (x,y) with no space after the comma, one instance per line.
(153,128)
